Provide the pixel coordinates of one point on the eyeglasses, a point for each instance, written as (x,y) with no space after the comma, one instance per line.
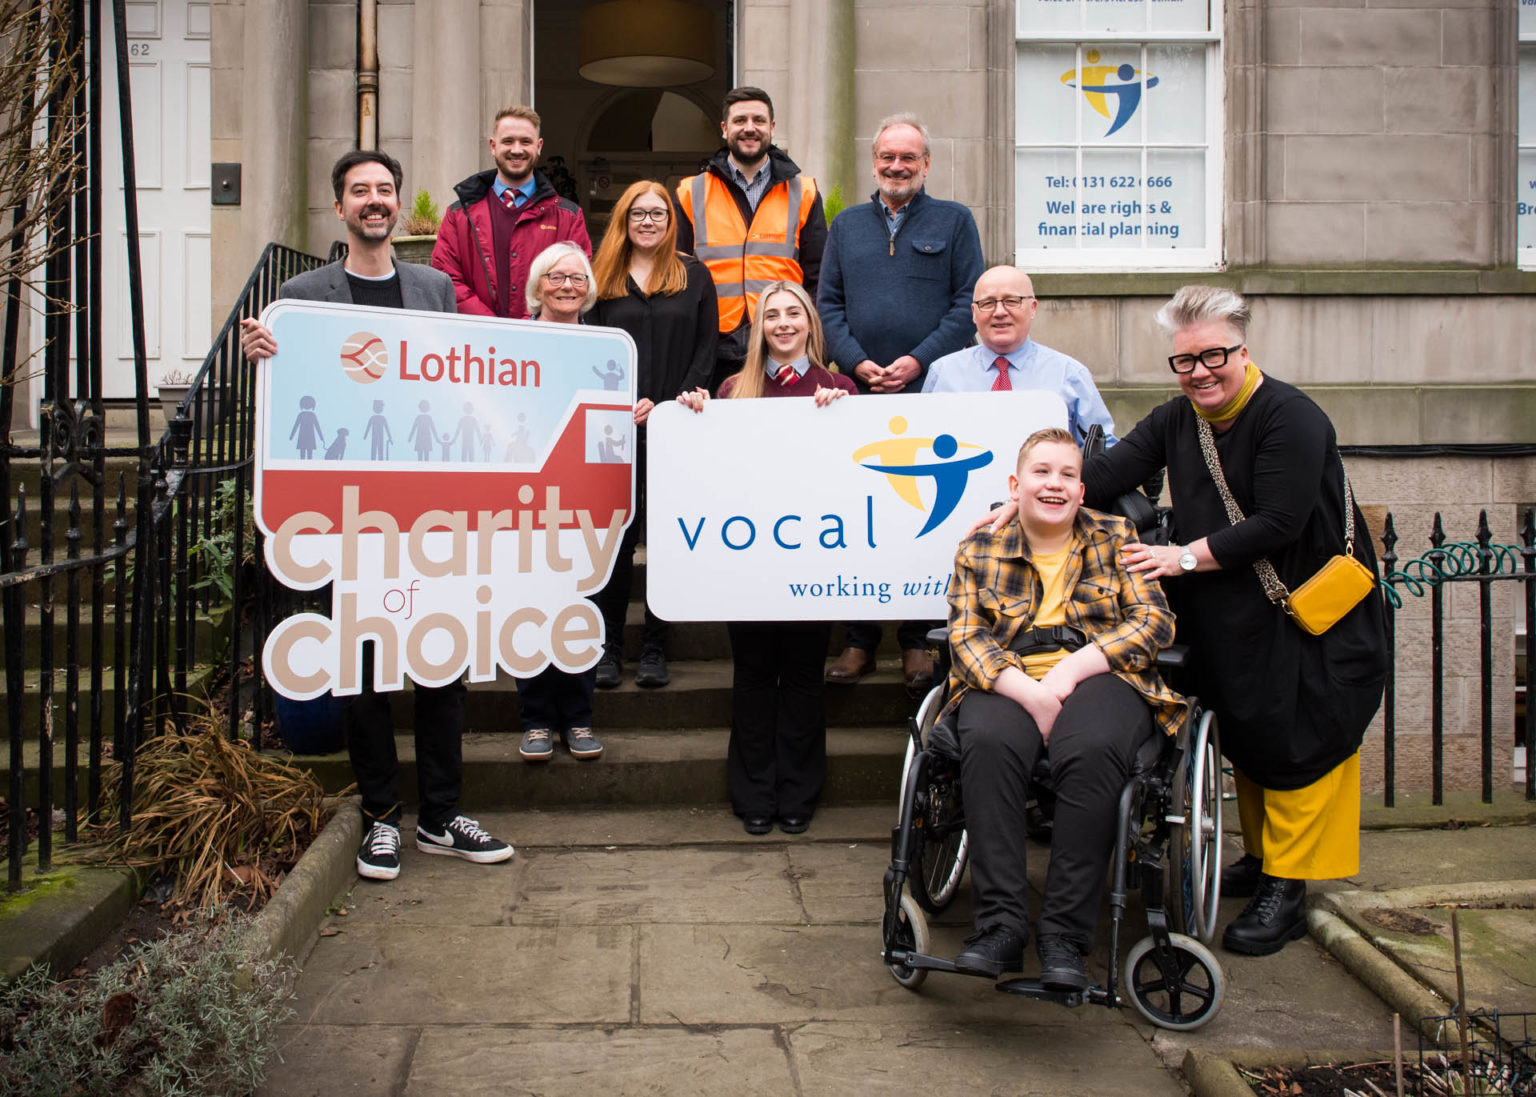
(1012,304)
(886,159)
(560,278)
(1210,358)
(639,215)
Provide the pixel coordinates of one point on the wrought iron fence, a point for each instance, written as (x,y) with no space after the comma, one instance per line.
(1481,564)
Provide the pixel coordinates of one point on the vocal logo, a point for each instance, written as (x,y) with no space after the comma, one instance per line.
(896,459)
(1098,82)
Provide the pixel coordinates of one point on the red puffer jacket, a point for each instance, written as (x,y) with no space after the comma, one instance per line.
(463,249)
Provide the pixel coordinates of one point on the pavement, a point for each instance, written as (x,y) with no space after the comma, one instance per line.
(663,951)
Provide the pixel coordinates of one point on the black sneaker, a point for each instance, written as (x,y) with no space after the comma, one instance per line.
(1061,963)
(378,858)
(992,951)
(610,668)
(462,837)
(652,671)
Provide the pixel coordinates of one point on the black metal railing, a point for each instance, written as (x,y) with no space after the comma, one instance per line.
(1445,565)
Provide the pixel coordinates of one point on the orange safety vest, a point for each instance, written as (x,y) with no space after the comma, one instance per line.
(742,259)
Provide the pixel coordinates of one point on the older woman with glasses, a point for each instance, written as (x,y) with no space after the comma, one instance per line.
(560,290)
(666,301)
(1293,706)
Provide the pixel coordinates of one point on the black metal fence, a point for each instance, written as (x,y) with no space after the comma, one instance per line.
(1482,565)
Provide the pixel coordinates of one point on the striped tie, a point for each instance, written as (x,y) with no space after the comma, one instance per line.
(1001,383)
(509,197)
(786,376)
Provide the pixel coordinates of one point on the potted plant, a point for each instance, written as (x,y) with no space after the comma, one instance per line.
(172,390)
(418,230)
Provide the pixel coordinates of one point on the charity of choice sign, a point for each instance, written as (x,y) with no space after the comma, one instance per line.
(462,484)
(762,510)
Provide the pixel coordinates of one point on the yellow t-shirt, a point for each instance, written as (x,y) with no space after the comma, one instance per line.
(1052,568)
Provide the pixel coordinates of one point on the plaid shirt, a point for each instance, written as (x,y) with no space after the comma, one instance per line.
(996,590)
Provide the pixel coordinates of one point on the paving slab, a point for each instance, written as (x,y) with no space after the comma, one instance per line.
(657,1062)
(333,1060)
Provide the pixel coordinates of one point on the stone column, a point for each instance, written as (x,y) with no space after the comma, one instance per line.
(274,116)
(819,99)
(448,134)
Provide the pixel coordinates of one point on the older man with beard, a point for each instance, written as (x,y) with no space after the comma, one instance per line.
(895,294)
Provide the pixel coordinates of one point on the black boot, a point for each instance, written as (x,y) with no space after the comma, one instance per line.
(1276,914)
(1240,879)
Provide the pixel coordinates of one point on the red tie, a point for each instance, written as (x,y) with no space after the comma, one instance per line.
(509,198)
(1002,383)
(786,376)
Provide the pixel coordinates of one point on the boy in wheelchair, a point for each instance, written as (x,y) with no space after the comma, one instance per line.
(1053,643)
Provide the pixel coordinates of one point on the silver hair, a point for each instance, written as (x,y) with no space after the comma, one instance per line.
(1195,305)
(905,118)
(548,258)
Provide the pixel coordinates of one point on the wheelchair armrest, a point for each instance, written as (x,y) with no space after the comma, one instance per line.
(1172,657)
(938,638)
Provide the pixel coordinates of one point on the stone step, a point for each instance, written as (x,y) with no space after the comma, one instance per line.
(709,639)
(33,631)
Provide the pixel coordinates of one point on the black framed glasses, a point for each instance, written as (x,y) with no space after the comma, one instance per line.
(639,215)
(1210,358)
(1012,303)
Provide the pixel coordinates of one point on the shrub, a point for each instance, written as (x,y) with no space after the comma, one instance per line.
(186,1015)
(422,219)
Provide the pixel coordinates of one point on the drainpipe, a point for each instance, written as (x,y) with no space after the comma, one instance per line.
(368,74)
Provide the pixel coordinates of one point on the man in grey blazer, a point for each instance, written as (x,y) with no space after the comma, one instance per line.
(367,186)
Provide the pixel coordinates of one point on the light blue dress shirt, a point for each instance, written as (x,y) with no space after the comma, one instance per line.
(1032,366)
(522,193)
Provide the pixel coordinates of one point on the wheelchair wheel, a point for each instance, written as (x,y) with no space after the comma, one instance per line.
(1182,999)
(939,843)
(910,932)
(1194,849)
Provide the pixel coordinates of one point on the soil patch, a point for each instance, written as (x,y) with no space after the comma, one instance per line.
(1398,920)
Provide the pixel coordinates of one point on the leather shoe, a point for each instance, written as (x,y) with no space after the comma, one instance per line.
(794,824)
(1061,963)
(850,666)
(917,669)
(1240,879)
(1276,914)
(757,823)
(992,951)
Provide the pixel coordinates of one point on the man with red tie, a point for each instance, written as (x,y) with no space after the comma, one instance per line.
(504,217)
(1004,358)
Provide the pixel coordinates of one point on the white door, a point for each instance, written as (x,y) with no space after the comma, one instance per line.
(169,82)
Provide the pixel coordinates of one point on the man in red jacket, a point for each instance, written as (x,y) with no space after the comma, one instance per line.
(503,218)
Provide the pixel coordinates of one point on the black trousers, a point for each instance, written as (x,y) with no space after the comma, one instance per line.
(1093,748)
(557,700)
(439,732)
(911,635)
(777,761)
(613,600)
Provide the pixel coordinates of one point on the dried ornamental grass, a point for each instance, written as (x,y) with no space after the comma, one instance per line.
(225,820)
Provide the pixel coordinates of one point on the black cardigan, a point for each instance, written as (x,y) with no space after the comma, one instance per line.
(1291,705)
(675,335)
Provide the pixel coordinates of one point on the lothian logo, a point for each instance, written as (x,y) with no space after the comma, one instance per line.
(364,358)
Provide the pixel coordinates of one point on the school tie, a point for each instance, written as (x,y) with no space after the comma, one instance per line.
(786,376)
(1001,383)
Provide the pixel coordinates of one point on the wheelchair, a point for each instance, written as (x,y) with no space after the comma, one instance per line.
(1168,843)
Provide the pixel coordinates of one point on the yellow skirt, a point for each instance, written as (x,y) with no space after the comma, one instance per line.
(1310,833)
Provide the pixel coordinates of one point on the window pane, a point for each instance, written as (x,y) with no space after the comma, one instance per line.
(1116,15)
(1046,216)
(1040,16)
(1527,110)
(1175,198)
(1110,89)
(1182,15)
(1111,218)
(1528,16)
(1043,105)
(1175,99)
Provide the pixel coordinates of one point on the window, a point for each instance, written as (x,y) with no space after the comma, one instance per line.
(1118,127)
(1525,180)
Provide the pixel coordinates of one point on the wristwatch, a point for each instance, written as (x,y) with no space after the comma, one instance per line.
(1187,561)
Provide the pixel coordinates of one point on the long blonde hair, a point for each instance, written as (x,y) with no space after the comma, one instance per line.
(749,380)
(668,275)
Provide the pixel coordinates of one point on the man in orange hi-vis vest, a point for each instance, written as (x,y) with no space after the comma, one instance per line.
(751,218)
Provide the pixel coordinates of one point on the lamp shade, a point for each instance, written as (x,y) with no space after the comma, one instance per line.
(646,43)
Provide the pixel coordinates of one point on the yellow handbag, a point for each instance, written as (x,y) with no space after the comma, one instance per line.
(1333,590)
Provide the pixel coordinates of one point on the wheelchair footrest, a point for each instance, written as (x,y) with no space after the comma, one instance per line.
(1033,988)
(918,962)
